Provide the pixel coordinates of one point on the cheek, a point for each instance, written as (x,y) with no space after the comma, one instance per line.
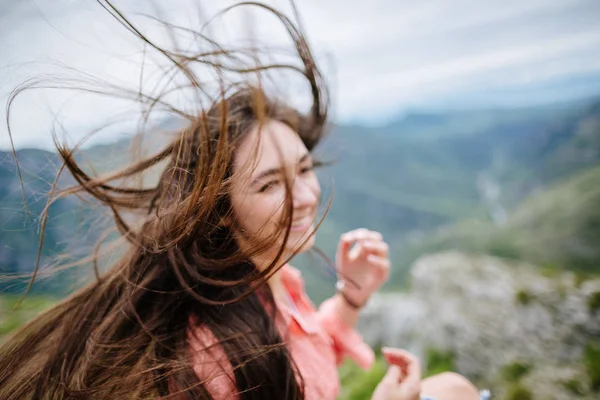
(315,186)
(255,212)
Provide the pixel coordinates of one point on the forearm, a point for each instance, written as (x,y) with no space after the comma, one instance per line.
(346,314)
(338,319)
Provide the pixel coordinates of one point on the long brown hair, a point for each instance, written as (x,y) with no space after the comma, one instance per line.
(125,334)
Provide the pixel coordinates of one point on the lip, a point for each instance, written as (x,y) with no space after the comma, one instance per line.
(301,225)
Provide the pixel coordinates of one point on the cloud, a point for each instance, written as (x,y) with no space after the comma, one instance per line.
(538,61)
(381,55)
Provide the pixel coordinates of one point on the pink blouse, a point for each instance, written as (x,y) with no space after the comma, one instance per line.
(317,339)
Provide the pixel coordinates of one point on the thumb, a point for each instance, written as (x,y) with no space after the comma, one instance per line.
(392,376)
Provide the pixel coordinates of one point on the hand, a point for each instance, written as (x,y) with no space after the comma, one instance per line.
(403,378)
(364,267)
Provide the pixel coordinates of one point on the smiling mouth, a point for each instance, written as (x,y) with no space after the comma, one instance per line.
(301,224)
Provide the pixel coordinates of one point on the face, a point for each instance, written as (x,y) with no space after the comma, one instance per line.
(263,162)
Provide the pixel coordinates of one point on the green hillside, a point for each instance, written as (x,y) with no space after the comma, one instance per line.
(557,228)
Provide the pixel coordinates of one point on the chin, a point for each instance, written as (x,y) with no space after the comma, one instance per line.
(303,243)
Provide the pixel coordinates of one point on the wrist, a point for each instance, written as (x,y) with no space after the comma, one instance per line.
(346,314)
(355,301)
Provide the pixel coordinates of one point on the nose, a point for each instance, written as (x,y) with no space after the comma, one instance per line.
(304,194)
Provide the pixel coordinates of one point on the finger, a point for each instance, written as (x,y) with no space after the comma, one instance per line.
(404,359)
(412,375)
(362,234)
(392,376)
(343,250)
(358,237)
(411,385)
(381,263)
(376,247)
(378,261)
(410,365)
(409,389)
(398,356)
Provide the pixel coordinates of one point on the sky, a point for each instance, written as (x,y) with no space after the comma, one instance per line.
(380,57)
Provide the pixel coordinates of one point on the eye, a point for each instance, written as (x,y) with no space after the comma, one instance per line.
(268,186)
(307,169)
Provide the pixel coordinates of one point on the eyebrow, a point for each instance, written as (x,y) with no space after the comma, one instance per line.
(275,171)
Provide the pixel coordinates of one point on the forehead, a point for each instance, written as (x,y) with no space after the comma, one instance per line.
(272,145)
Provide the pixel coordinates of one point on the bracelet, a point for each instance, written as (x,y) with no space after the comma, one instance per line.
(340,289)
(351,303)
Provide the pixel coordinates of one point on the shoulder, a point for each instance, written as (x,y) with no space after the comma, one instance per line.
(210,362)
(204,345)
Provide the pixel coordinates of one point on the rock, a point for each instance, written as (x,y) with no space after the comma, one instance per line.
(393,320)
(489,314)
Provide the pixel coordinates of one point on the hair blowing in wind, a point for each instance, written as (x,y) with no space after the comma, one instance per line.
(124,335)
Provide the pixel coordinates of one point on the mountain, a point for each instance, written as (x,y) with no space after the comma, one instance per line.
(426,172)
(20,225)
(419,175)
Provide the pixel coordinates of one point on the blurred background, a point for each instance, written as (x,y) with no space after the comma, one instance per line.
(467,132)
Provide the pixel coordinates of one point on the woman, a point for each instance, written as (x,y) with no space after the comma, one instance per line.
(203,304)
